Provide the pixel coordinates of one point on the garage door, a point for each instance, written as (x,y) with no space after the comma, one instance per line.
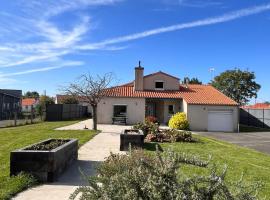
(220,121)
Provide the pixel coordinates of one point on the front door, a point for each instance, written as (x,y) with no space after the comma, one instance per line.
(150,109)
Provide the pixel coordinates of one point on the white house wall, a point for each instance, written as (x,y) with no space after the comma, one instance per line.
(135,109)
(169,82)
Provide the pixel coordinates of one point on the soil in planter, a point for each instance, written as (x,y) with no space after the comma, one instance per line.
(132,132)
(48,145)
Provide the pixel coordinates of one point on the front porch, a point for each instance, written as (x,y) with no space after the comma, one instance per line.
(163,109)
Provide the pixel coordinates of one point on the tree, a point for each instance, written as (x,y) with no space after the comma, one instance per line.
(33,94)
(237,84)
(44,101)
(90,89)
(187,80)
(70,100)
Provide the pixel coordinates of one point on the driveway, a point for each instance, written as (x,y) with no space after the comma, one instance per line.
(259,141)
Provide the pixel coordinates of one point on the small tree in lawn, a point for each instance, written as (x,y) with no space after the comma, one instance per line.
(90,89)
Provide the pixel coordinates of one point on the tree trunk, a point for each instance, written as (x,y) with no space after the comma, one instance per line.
(94,107)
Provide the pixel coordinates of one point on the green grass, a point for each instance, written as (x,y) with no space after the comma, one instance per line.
(244,128)
(255,165)
(18,137)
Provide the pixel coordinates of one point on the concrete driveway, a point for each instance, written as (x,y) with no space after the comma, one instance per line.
(259,141)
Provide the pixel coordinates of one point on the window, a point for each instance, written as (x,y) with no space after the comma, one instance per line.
(159,85)
(119,110)
(171,109)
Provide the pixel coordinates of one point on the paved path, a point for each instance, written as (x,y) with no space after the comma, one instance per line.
(259,141)
(90,155)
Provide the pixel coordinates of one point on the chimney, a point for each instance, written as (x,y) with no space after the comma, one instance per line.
(138,83)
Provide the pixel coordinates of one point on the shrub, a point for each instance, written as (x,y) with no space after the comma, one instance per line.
(170,135)
(159,177)
(147,127)
(151,119)
(179,121)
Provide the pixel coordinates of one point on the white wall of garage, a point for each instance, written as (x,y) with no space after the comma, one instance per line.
(198,115)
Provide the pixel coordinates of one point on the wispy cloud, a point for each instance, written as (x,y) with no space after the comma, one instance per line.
(50,42)
(192,3)
(43,69)
(203,22)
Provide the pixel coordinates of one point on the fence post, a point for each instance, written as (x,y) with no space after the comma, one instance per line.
(263,117)
(15,118)
(248,116)
(31,114)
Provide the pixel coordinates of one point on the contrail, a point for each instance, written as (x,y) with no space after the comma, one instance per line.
(203,22)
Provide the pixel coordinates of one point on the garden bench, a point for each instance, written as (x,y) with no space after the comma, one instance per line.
(119,119)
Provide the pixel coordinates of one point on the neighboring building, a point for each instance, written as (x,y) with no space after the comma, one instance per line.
(28,103)
(257,106)
(161,95)
(10,102)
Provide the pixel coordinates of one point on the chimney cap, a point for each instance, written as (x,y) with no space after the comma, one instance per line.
(139,67)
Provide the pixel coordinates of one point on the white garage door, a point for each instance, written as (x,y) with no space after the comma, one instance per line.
(220,121)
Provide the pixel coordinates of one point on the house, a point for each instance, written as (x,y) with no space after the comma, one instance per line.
(28,104)
(161,95)
(10,102)
(257,106)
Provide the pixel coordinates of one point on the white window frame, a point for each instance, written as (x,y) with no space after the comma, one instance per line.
(159,88)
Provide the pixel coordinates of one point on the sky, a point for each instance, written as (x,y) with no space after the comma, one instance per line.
(47,44)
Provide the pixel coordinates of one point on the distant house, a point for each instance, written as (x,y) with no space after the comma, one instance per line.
(10,102)
(28,104)
(257,106)
(161,95)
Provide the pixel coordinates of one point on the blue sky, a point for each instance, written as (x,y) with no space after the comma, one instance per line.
(46,44)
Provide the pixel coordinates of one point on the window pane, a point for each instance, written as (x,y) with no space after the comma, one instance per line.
(119,110)
(170,109)
(159,85)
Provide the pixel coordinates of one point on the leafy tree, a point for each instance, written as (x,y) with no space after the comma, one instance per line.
(237,84)
(46,100)
(43,102)
(195,80)
(267,102)
(70,100)
(29,94)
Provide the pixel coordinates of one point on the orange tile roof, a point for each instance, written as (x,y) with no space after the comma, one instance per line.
(192,94)
(258,106)
(28,102)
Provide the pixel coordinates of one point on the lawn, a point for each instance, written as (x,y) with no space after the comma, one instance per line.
(18,137)
(255,165)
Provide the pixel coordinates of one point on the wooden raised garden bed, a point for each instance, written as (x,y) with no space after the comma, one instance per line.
(45,160)
(133,137)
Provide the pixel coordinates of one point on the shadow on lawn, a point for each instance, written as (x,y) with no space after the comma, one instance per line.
(152,146)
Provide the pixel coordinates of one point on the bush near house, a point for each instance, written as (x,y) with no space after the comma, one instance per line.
(153,133)
(170,135)
(151,119)
(179,121)
(160,176)
(147,128)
